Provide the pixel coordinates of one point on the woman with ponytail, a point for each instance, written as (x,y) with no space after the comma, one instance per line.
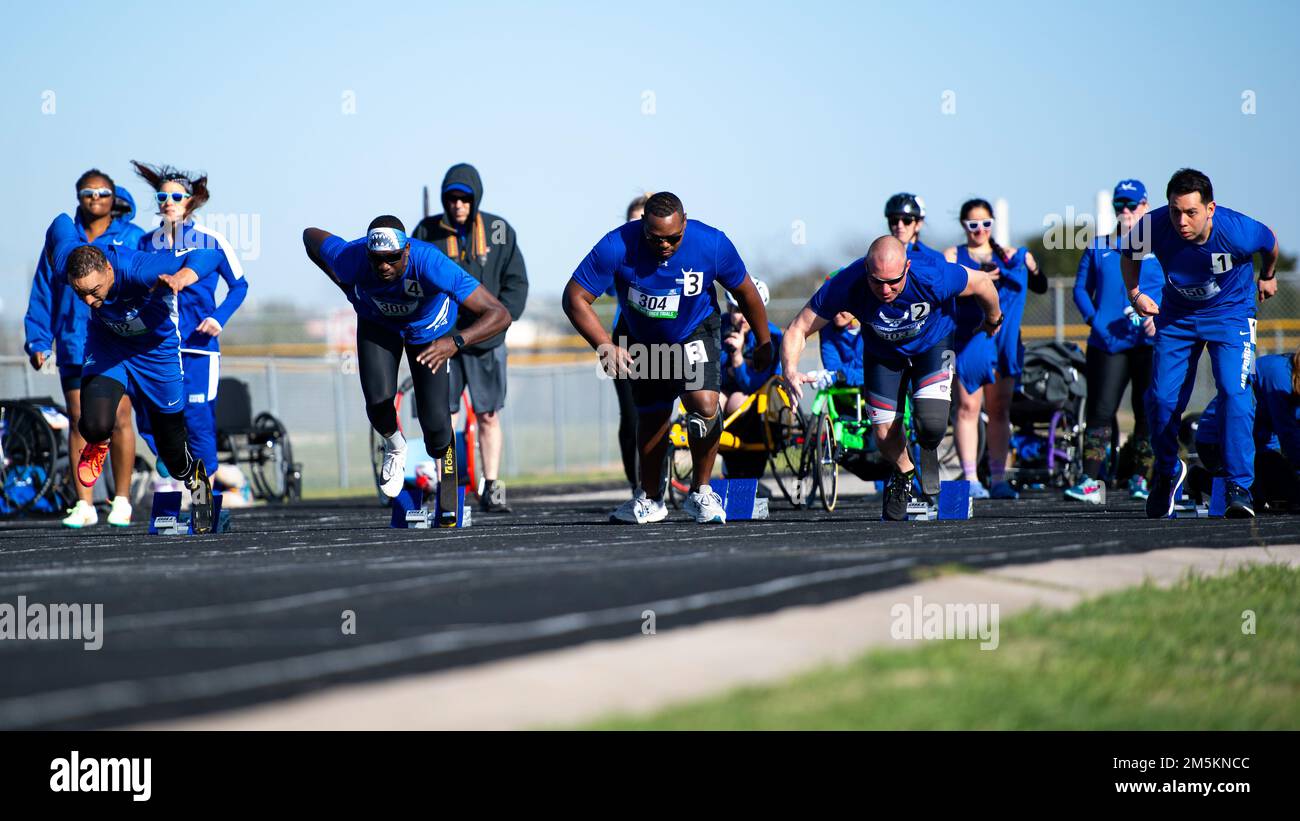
(179,194)
(987,367)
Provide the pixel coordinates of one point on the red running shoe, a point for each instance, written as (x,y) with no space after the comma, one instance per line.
(91,463)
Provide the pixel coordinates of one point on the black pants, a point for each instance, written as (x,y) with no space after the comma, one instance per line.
(1108,374)
(100,396)
(379,352)
(627,429)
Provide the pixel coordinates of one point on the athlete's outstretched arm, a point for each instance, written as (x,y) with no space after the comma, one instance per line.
(312,240)
(1267,275)
(979,286)
(577,307)
(493,318)
(793,342)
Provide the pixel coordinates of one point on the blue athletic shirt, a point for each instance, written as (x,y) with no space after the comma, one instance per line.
(915,249)
(140,312)
(421,305)
(1101,297)
(662,301)
(199,301)
(919,317)
(1212,280)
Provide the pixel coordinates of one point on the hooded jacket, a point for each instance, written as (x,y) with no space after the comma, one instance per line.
(486,248)
(56,319)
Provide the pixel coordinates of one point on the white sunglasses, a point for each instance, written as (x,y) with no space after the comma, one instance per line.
(975,225)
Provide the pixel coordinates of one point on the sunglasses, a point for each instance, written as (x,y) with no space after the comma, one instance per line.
(671,239)
(1125,205)
(94,193)
(175,196)
(976,225)
(903,219)
(386,259)
(875,280)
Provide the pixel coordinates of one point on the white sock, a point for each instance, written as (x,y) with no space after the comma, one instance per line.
(705,490)
(396,442)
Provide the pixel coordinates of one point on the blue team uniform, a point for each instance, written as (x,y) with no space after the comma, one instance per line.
(982,359)
(56,319)
(917,249)
(421,305)
(745,378)
(913,332)
(1101,296)
(133,337)
(200,353)
(1277,413)
(1208,299)
(662,301)
(841,350)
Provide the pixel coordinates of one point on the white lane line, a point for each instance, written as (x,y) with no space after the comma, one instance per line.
(80,702)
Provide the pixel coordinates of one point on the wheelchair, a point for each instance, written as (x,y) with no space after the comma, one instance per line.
(778,443)
(260,443)
(33,458)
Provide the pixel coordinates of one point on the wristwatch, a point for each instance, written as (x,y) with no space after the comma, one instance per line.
(459,340)
(1133,300)
(1268,278)
(997,324)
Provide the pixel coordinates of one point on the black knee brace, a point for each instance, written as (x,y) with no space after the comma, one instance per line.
(704,430)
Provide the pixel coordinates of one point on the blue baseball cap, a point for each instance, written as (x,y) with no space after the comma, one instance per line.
(459,186)
(1132,190)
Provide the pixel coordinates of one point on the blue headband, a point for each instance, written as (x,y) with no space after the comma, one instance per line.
(385,240)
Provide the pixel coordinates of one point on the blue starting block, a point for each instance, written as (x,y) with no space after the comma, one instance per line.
(1216,509)
(740,499)
(166,518)
(409,511)
(954,503)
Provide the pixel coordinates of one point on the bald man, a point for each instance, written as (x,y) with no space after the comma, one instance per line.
(907,307)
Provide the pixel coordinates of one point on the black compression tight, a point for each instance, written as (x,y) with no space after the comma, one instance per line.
(379,352)
(100,396)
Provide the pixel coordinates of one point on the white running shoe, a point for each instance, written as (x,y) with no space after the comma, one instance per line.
(82,514)
(120,513)
(640,510)
(705,506)
(393,472)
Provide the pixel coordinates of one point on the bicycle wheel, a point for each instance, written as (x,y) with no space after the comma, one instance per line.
(28,453)
(785,431)
(822,450)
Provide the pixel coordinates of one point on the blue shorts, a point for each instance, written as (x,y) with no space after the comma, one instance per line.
(70,377)
(153,374)
(982,360)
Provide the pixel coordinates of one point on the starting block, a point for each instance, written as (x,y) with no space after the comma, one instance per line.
(410,512)
(740,499)
(166,518)
(1214,510)
(954,503)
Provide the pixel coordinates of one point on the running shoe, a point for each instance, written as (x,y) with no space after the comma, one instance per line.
(640,510)
(1240,505)
(1137,487)
(977,490)
(494,497)
(705,507)
(91,463)
(119,515)
(393,472)
(1165,490)
(1089,490)
(82,514)
(897,494)
(1003,490)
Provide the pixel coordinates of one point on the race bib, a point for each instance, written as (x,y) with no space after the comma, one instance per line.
(696,352)
(1205,290)
(129,327)
(1220,263)
(394,308)
(654,305)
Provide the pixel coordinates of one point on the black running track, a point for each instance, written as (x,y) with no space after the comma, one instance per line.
(196,624)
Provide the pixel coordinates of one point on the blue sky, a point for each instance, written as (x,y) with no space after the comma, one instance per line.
(764,114)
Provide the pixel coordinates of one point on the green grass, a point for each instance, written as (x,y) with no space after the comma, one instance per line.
(1143,658)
